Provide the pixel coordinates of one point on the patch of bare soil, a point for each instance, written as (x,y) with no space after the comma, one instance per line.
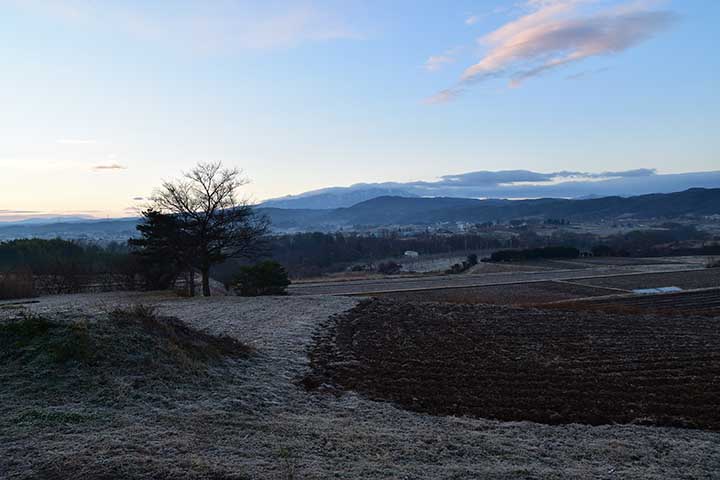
(523,364)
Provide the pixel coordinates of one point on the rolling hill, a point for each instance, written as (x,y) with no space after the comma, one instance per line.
(424,211)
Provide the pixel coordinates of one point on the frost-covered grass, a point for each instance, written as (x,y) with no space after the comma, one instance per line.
(225,417)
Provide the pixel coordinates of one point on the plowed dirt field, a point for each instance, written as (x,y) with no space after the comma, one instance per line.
(525,364)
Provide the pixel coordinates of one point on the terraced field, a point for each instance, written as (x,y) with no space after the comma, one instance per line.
(517,294)
(701,278)
(700,302)
(525,364)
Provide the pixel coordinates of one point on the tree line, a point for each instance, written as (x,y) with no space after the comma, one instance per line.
(199,224)
(311,254)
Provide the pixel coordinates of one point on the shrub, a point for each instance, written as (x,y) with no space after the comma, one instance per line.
(263,278)
(359,268)
(471,261)
(534,253)
(455,268)
(389,268)
(18,284)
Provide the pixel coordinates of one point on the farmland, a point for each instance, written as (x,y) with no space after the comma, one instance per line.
(252,418)
(518,273)
(525,364)
(703,301)
(530,293)
(543,369)
(709,277)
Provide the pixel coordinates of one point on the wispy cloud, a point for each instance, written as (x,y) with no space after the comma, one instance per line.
(206,26)
(443,96)
(449,56)
(436,62)
(111,166)
(557,33)
(476,18)
(586,73)
(138,199)
(76,141)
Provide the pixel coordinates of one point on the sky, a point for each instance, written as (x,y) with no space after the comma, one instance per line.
(102,100)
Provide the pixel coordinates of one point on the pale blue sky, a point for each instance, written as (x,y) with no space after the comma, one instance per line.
(304,95)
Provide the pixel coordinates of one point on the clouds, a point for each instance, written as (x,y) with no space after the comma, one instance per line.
(76,141)
(435,62)
(557,33)
(110,166)
(233,26)
(443,96)
(449,56)
(513,177)
(509,184)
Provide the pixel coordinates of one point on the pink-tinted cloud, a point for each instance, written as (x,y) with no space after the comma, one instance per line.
(436,62)
(444,96)
(557,33)
(449,56)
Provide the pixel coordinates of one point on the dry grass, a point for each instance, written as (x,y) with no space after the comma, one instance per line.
(87,372)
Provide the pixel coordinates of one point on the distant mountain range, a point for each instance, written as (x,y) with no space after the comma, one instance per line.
(383,211)
(118,229)
(394,210)
(44,220)
(343,197)
(508,184)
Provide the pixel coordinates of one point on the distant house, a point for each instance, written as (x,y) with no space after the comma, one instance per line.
(411,253)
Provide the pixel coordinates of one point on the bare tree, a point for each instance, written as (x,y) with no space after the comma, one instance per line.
(220,225)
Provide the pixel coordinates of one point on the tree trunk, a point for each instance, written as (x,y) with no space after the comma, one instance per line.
(206,281)
(191,282)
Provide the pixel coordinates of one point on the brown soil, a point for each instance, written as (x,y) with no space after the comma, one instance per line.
(523,364)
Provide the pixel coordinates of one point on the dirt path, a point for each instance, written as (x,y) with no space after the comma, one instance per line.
(261,425)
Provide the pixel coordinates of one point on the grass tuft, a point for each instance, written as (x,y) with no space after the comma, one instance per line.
(32,338)
(47,418)
(131,353)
